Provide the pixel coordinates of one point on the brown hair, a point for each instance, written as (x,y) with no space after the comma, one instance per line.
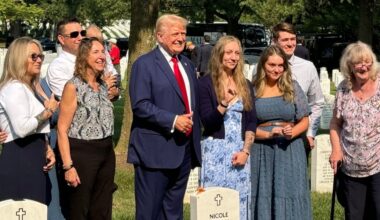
(81,63)
(285,82)
(283,26)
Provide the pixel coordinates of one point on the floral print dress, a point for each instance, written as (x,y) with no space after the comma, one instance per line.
(217,168)
(360,133)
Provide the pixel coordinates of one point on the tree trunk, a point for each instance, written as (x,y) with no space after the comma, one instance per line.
(209,11)
(366,20)
(144,14)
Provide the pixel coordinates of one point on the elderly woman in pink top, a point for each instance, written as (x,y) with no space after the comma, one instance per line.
(355,132)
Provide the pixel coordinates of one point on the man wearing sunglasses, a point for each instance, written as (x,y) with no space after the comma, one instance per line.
(69,35)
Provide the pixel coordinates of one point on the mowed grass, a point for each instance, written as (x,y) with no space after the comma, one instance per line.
(124,203)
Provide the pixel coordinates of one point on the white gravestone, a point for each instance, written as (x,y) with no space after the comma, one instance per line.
(192,184)
(325,86)
(323,74)
(22,210)
(322,175)
(215,203)
(327,111)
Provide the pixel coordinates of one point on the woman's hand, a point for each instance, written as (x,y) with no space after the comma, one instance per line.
(287,132)
(336,158)
(3,136)
(239,158)
(72,178)
(52,104)
(110,80)
(276,132)
(50,159)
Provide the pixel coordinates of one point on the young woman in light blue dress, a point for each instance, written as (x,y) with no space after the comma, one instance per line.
(229,118)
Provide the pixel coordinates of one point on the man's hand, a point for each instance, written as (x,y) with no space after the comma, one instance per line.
(184,122)
(310,142)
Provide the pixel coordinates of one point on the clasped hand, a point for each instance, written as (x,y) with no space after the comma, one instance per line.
(184,122)
(286,132)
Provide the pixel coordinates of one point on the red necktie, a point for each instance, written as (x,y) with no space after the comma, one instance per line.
(182,87)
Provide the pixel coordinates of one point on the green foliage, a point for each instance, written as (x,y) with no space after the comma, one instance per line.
(331,16)
(104,12)
(12,10)
(270,12)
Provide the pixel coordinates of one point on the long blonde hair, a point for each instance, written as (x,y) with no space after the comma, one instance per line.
(285,82)
(216,71)
(16,61)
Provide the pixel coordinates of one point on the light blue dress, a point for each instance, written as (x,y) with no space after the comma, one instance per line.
(280,186)
(217,169)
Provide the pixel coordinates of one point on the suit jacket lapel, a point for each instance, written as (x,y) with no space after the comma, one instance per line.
(163,64)
(188,71)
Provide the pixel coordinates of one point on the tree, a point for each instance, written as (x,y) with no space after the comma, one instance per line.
(366,16)
(271,12)
(141,40)
(18,13)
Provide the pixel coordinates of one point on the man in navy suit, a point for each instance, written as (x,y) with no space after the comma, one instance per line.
(165,135)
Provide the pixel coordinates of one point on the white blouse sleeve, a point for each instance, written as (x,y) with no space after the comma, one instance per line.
(17,104)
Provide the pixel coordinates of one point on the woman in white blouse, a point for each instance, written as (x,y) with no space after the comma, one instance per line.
(26,155)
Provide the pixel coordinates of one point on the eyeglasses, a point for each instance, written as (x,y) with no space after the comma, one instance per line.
(35,56)
(75,34)
(363,64)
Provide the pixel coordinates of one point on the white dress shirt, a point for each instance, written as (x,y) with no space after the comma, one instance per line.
(60,71)
(168,57)
(18,110)
(305,73)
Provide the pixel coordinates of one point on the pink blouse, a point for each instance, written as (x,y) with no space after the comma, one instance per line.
(360,132)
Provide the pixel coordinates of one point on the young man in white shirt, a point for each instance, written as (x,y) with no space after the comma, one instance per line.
(305,73)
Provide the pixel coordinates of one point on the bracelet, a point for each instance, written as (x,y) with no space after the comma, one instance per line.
(223,105)
(68,167)
(245,151)
(49,110)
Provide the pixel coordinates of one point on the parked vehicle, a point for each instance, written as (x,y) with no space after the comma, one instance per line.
(48,44)
(122,44)
(252,55)
(251,35)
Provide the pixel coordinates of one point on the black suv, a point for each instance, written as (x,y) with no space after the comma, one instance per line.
(122,44)
(48,44)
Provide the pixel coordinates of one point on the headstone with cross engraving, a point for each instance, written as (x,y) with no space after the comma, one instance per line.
(215,203)
(22,210)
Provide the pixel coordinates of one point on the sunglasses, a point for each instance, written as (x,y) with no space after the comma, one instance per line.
(75,34)
(35,56)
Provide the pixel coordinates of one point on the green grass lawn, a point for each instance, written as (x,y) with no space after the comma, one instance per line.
(124,204)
